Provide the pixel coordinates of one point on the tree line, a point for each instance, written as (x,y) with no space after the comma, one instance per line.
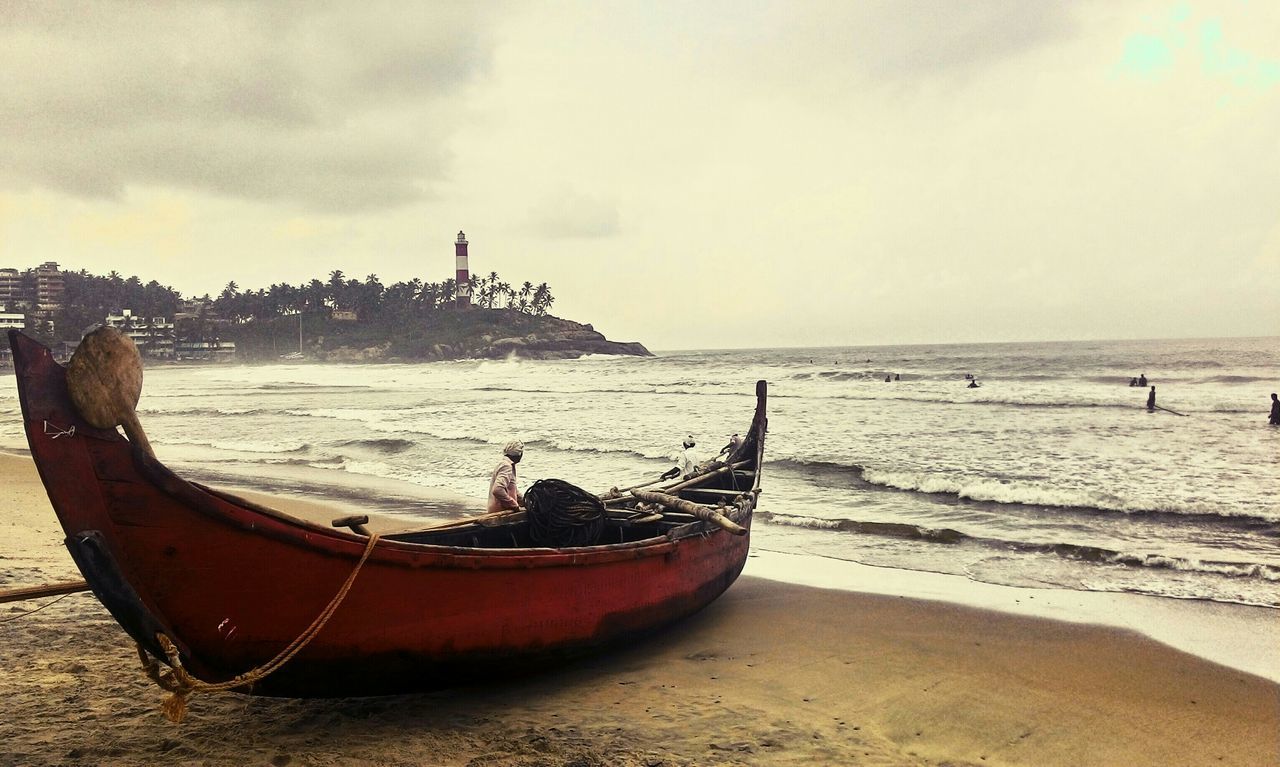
(88,298)
(370,299)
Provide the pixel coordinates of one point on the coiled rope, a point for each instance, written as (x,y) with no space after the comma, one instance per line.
(562,515)
(180,684)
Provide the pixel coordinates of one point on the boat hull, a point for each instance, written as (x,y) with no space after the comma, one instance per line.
(232,585)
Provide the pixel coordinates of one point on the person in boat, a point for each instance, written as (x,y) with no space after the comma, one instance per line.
(728,449)
(1275,411)
(503,494)
(687,465)
(1142,380)
(973,384)
(1151,399)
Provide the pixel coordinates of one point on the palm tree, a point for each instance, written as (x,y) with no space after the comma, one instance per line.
(316,294)
(429,296)
(337,288)
(526,290)
(542,299)
(490,289)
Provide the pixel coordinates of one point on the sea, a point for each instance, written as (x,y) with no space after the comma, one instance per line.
(1052,474)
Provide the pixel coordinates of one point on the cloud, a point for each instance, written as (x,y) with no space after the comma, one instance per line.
(331,106)
(569,214)
(902,39)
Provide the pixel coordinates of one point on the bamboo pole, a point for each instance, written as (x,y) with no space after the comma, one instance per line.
(676,485)
(704,513)
(35,592)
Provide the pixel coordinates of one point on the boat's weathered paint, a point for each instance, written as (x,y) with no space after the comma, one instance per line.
(232,584)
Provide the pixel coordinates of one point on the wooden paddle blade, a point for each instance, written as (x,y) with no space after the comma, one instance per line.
(104,378)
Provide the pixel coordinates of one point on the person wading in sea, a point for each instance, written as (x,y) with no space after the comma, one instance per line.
(1275,411)
(1151,399)
(503,494)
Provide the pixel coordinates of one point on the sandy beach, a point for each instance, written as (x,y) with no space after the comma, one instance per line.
(771,673)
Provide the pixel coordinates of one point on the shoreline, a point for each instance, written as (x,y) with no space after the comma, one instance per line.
(770,673)
(1240,637)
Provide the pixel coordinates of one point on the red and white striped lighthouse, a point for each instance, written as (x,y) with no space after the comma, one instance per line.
(462,290)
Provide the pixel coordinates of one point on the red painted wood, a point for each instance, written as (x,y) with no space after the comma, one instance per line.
(233,586)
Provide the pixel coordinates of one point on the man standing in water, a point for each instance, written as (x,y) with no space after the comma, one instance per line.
(503,494)
(1151,400)
(1275,411)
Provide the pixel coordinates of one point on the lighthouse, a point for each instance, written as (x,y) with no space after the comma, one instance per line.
(463,278)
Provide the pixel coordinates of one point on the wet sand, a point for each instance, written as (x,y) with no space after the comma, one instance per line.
(771,673)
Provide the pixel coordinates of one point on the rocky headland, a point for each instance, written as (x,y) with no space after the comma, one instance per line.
(477,333)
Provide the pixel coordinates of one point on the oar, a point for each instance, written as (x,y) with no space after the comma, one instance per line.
(35,592)
(104,378)
(1167,410)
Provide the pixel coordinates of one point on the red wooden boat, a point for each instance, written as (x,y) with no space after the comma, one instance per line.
(230,584)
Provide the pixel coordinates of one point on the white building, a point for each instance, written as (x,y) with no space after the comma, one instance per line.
(10,287)
(153,335)
(12,320)
(220,351)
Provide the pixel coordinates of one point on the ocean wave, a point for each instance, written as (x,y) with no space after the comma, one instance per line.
(846,470)
(1078,552)
(974,399)
(310,388)
(1237,379)
(272,446)
(204,411)
(886,529)
(446,431)
(850,375)
(363,415)
(387,445)
(1010,494)
(708,390)
(993,491)
(246,446)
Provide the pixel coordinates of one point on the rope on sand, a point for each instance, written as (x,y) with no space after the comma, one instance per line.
(180,684)
(37,609)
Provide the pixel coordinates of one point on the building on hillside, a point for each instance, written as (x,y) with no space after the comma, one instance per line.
(153,335)
(345,315)
(12,320)
(49,286)
(10,288)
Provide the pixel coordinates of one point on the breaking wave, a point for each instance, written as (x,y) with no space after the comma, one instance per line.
(389,445)
(1082,553)
(1011,494)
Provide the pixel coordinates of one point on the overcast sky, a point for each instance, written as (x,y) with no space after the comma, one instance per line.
(689,175)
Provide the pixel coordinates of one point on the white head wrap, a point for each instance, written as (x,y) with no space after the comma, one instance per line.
(513,448)
(688,441)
